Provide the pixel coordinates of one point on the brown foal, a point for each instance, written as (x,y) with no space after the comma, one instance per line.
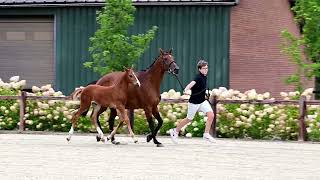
(114,96)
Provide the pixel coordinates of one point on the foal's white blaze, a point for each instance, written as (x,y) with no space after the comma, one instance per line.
(139,84)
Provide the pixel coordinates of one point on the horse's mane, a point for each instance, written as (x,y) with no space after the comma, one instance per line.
(93,82)
(151,64)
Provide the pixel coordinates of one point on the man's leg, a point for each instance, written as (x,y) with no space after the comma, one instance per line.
(210,116)
(182,123)
(206,108)
(192,109)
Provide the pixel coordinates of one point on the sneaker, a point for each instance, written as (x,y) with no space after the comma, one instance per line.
(208,137)
(174,135)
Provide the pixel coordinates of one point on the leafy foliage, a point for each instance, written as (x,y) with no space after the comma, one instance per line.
(112,48)
(308,16)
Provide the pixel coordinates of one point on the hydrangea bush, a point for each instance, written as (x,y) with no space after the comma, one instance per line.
(233,120)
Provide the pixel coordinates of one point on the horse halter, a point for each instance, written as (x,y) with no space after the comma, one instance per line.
(170,71)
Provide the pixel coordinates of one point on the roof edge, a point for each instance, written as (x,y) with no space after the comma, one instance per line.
(186,3)
(169,3)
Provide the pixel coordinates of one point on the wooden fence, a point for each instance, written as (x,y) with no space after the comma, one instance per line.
(214,102)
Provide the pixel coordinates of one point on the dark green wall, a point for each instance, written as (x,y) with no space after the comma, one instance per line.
(74,26)
(192,31)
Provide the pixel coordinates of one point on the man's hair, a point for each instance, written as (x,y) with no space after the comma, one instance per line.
(202,63)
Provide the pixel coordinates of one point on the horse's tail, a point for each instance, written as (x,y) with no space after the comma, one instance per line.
(75,96)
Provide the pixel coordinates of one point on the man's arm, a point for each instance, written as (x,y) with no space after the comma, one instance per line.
(189,86)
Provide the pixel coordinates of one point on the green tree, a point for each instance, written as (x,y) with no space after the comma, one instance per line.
(111,46)
(307,15)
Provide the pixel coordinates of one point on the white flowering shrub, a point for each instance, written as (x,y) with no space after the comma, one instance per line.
(171,115)
(260,121)
(249,120)
(9,109)
(41,115)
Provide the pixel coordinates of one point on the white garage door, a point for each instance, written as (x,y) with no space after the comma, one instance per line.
(26,49)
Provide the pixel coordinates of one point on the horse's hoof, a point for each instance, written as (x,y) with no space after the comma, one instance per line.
(98,138)
(68,139)
(115,142)
(149,137)
(135,141)
(102,140)
(160,145)
(155,141)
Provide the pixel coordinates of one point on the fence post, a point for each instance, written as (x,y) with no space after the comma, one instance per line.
(214,103)
(22,110)
(302,114)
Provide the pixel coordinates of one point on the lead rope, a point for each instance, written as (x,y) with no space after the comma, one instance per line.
(207,94)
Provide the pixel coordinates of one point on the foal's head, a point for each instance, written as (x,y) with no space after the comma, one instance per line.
(131,77)
(169,64)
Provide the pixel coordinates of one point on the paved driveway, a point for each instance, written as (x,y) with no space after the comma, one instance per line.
(49,156)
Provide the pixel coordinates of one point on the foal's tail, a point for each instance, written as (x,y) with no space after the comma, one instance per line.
(75,96)
(77,93)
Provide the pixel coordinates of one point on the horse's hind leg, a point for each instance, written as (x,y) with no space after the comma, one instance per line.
(74,120)
(102,109)
(94,117)
(84,113)
(113,114)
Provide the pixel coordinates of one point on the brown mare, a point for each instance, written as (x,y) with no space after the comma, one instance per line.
(147,97)
(114,96)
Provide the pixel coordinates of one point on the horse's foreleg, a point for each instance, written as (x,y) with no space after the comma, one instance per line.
(156,114)
(150,123)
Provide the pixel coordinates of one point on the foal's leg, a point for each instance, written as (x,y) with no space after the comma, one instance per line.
(111,135)
(74,120)
(156,114)
(124,117)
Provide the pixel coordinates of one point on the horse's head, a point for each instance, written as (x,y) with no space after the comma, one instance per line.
(169,64)
(131,77)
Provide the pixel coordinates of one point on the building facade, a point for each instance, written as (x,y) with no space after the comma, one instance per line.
(256,60)
(47,41)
